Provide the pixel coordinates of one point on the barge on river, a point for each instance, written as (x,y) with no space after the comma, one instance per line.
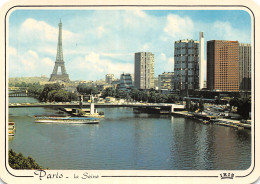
(65,120)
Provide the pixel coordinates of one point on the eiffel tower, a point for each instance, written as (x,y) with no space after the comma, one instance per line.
(63,76)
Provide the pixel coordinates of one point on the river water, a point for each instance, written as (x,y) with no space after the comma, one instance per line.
(127,141)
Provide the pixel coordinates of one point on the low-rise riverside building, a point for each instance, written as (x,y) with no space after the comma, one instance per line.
(126,82)
(165,80)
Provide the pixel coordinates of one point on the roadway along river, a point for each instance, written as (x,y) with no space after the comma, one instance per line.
(125,140)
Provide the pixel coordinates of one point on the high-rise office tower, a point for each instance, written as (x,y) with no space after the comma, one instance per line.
(186,65)
(245,67)
(201,61)
(144,70)
(223,65)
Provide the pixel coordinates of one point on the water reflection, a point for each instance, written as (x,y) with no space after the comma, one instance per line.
(125,140)
(199,146)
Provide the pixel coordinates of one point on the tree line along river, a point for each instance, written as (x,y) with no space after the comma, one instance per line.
(124,140)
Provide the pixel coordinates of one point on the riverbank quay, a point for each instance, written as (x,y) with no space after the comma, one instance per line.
(206,119)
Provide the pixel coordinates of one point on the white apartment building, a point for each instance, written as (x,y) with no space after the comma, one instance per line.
(144,70)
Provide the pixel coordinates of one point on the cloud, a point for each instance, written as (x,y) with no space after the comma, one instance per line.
(163,56)
(100,31)
(100,42)
(146,47)
(33,54)
(48,61)
(28,64)
(96,67)
(225,31)
(179,26)
(140,13)
(34,29)
(48,50)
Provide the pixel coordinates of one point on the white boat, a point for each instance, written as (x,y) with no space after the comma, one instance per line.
(66,120)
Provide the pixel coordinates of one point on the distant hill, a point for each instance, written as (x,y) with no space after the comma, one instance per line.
(28,79)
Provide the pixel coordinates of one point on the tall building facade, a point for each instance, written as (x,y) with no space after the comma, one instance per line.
(223,65)
(201,61)
(109,78)
(59,63)
(245,67)
(186,65)
(126,82)
(144,70)
(165,80)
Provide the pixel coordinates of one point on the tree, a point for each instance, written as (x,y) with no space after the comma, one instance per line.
(161,98)
(244,107)
(134,93)
(18,161)
(120,94)
(50,96)
(35,89)
(47,88)
(152,97)
(109,92)
(172,98)
(234,102)
(61,96)
(73,97)
(87,90)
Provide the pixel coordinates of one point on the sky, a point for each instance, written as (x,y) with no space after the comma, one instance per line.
(100,42)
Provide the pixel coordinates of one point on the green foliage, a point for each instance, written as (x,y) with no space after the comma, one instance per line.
(138,95)
(48,92)
(121,94)
(73,97)
(35,89)
(18,161)
(84,89)
(109,92)
(54,92)
(153,96)
(234,102)
(172,98)
(47,88)
(243,106)
(61,96)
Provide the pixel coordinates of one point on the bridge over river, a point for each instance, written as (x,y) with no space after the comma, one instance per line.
(171,107)
(18,92)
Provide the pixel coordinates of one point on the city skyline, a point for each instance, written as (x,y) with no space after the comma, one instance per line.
(99,42)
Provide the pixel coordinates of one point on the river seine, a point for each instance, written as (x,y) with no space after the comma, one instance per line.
(124,140)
